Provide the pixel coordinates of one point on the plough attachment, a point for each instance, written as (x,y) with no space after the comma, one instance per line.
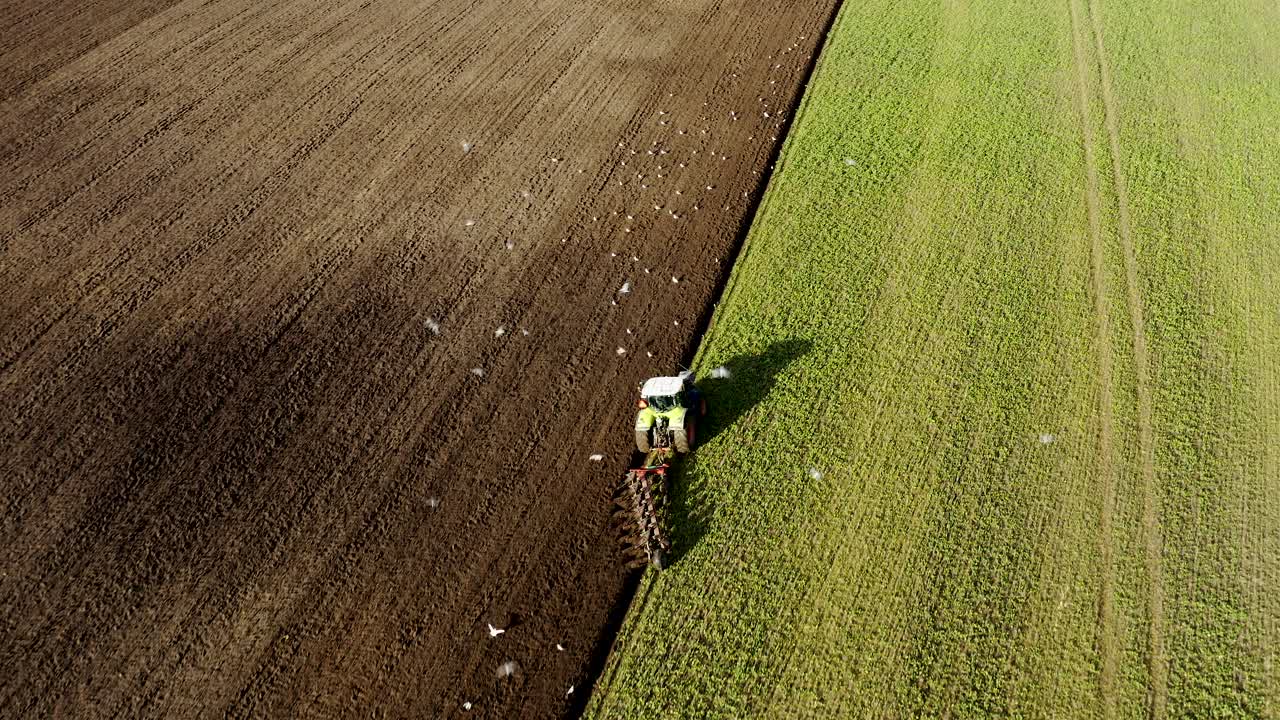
(641,519)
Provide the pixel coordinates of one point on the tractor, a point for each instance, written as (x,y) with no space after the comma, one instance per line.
(669,412)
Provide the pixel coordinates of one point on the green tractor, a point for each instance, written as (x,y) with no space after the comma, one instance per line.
(670,409)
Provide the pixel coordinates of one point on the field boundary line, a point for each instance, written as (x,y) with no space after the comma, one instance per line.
(1107,642)
(761,198)
(1158,667)
(635,597)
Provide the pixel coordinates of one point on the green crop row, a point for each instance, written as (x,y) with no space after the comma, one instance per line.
(945,476)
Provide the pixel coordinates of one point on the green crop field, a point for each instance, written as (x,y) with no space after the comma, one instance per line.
(1001,434)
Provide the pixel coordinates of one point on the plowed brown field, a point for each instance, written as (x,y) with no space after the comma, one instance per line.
(296,394)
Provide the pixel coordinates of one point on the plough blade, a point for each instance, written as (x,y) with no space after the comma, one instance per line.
(640,521)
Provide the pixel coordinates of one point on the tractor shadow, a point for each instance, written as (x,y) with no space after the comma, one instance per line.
(750,379)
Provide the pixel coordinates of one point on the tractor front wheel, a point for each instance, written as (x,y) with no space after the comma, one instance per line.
(642,441)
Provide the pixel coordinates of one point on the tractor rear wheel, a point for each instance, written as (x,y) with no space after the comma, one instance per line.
(642,441)
(683,438)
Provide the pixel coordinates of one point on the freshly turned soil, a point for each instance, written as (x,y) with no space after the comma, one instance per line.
(297,392)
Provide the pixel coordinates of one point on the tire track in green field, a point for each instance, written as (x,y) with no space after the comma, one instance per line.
(1158,665)
(1108,648)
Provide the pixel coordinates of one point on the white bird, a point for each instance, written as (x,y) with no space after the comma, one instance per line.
(626,288)
(570,691)
(559,647)
(596,458)
(720,372)
(815,473)
(500,331)
(466,147)
(622,351)
(432,325)
(478,372)
(493,631)
(507,669)
(466,706)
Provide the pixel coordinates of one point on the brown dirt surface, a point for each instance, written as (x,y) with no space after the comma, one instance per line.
(243,474)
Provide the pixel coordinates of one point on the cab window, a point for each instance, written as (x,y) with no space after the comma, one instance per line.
(664,403)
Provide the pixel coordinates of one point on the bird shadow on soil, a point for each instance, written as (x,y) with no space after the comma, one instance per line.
(750,379)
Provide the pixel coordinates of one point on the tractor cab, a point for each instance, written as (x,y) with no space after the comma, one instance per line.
(663,394)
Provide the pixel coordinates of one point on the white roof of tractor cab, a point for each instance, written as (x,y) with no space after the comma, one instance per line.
(661,386)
